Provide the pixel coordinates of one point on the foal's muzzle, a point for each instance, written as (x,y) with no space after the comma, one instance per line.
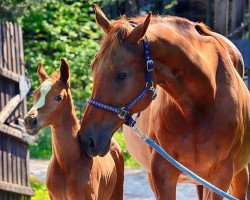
(30,123)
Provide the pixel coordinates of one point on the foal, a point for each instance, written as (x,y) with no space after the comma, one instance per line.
(70,174)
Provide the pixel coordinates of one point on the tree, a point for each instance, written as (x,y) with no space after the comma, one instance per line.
(62,28)
(12,10)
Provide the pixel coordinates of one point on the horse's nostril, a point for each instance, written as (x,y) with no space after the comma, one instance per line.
(34,122)
(91,143)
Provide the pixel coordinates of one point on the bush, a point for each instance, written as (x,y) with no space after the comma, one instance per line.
(42,149)
(41,192)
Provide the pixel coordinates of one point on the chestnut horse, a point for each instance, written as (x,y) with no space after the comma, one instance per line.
(200,116)
(72,175)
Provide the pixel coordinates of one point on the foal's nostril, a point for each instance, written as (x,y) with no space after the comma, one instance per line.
(34,122)
(26,120)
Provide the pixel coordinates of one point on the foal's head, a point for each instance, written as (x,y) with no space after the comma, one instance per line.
(119,74)
(50,99)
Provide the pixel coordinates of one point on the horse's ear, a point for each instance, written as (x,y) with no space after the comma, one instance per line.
(42,73)
(139,31)
(101,19)
(64,71)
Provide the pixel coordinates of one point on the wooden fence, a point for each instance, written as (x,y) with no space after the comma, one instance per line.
(14,152)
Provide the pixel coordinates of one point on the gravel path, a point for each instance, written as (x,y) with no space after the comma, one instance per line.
(136,185)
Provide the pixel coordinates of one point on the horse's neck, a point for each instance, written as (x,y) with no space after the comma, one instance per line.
(184,75)
(66,148)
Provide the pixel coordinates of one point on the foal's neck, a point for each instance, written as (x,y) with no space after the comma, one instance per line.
(66,148)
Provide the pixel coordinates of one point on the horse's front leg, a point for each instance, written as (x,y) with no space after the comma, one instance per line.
(163,178)
(221,177)
(239,185)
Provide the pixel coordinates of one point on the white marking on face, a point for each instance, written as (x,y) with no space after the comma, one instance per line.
(44,89)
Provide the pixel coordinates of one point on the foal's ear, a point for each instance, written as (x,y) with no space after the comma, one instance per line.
(101,19)
(41,73)
(64,71)
(139,31)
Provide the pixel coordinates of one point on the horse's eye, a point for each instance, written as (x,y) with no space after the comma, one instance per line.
(58,98)
(121,76)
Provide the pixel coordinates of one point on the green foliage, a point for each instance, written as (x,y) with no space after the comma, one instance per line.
(41,191)
(12,10)
(62,28)
(129,161)
(42,148)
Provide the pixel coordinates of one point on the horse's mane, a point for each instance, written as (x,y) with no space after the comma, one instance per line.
(121,29)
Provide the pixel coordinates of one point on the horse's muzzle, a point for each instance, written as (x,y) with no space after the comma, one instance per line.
(95,146)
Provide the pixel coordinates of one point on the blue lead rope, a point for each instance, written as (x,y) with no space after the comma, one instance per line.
(170,159)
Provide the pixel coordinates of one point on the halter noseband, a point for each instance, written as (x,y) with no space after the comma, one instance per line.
(123,112)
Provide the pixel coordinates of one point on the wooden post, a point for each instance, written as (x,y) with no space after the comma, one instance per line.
(237,16)
(208,13)
(221,16)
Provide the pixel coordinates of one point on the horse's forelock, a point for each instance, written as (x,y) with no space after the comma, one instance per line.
(118,33)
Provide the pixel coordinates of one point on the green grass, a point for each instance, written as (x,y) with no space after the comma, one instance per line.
(41,192)
(42,148)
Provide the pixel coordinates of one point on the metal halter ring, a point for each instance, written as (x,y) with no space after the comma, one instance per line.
(149,84)
(123,113)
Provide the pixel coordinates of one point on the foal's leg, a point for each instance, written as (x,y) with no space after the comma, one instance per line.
(200,191)
(221,177)
(239,185)
(164,178)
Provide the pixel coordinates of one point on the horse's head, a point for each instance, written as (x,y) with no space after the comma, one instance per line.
(119,72)
(49,99)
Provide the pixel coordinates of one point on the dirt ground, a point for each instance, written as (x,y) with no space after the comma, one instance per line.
(136,186)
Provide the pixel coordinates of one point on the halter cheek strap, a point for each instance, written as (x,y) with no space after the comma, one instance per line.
(123,112)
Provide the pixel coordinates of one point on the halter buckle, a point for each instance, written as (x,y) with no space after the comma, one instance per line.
(150,65)
(139,132)
(123,113)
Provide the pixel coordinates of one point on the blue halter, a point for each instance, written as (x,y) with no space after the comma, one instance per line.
(123,112)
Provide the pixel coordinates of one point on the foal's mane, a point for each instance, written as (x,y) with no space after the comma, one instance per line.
(55,75)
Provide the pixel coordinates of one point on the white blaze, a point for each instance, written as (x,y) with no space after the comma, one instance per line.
(44,89)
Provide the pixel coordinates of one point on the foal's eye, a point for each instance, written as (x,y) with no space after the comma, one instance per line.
(121,76)
(58,98)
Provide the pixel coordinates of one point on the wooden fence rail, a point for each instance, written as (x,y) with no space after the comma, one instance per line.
(14,152)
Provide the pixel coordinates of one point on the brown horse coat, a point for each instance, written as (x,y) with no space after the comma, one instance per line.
(201,114)
(72,175)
